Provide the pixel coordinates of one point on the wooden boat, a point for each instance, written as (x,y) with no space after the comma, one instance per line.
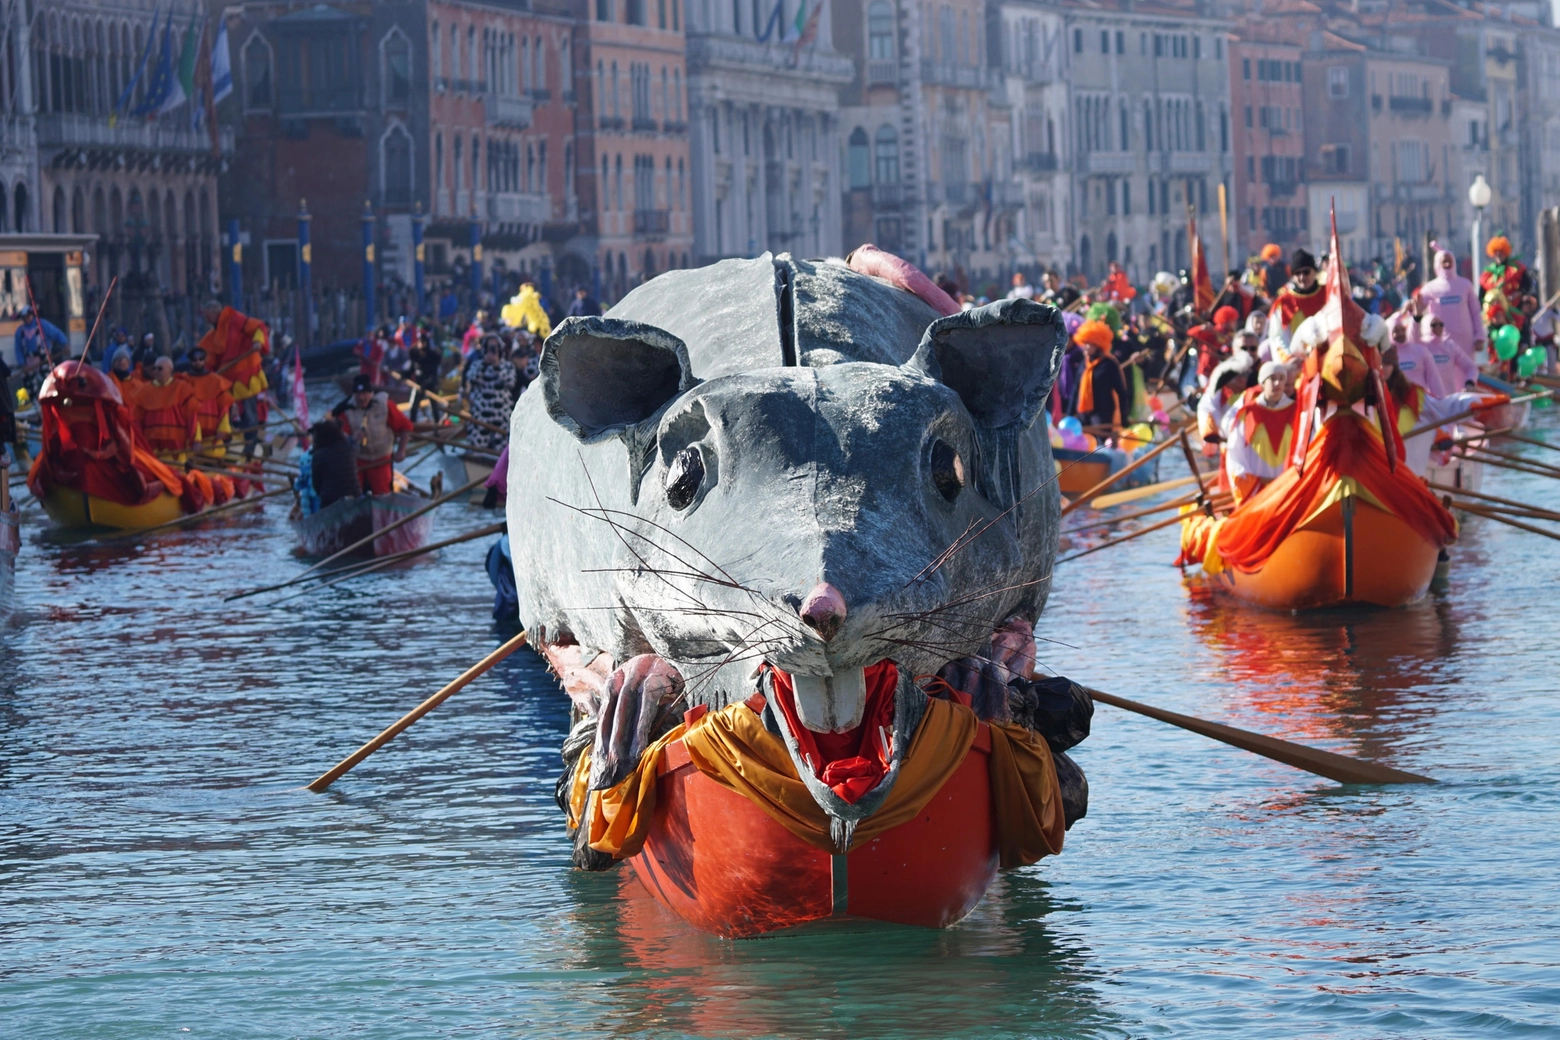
(78,511)
(722,864)
(1074,477)
(350,520)
(1349,553)
(460,470)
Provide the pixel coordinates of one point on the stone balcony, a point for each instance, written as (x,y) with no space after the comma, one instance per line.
(518,208)
(508,111)
(134,140)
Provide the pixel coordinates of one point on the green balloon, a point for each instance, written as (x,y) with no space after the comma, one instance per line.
(1506,338)
(1531,361)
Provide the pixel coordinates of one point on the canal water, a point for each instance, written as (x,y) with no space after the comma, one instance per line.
(162,874)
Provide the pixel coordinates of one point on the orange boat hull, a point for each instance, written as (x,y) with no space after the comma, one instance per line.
(1371,559)
(723,865)
(1077,477)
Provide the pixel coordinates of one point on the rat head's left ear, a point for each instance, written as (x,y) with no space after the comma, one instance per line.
(603,377)
(1001,359)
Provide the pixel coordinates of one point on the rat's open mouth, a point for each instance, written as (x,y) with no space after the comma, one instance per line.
(852,755)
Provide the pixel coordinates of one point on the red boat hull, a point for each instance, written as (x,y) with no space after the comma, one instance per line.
(725,866)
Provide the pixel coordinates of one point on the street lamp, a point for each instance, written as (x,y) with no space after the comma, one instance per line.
(1479,196)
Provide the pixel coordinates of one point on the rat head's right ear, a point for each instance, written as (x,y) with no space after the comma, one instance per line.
(604,377)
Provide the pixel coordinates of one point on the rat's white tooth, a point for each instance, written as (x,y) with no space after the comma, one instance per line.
(831,704)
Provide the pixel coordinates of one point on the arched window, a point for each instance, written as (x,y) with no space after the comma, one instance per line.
(78,212)
(257,73)
(945,26)
(1085,256)
(396,160)
(397,68)
(1110,247)
(59,211)
(887,155)
(617,183)
(858,160)
(476,163)
(565,67)
(460,171)
(435,51)
(677,111)
(606,183)
(525,67)
(99,213)
(880,31)
(438,167)
(540,65)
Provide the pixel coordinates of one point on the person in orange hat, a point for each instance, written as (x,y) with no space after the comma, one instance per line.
(1102,398)
(1274,273)
(1504,282)
(1213,340)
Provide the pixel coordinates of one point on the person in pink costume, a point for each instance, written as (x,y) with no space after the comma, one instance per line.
(1455,367)
(1455,300)
(1415,360)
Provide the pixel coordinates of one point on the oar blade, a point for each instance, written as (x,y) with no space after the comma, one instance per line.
(1341,768)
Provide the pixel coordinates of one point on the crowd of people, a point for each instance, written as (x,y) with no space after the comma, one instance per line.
(1237,360)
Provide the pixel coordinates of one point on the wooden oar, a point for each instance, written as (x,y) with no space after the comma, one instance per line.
(1108,521)
(405,721)
(1141,460)
(408,518)
(1124,538)
(451,443)
(226,507)
(385,561)
(1469,507)
(1460,416)
(448,406)
(1509,457)
(1499,464)
(1530,440)
(1121,498)
(1341,768)
(1525,514)
(1482,435)
(1480,495)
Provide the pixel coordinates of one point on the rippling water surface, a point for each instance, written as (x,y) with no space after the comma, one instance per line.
(162,873)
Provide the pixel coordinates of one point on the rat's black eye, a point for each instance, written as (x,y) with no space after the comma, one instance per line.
(947,470)
(684,474)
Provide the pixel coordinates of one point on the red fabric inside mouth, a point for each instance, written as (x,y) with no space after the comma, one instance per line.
(854,762)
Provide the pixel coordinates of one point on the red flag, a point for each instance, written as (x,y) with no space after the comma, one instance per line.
(1202,285)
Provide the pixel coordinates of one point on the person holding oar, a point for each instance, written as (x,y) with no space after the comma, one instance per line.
(380,432)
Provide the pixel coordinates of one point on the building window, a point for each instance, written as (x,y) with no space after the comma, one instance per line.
(858,160)
(887,155)
(1077,41)
(1335,158)
(1151,207)
(1121,42)
(1126,138)
(257,74)
(880,31)
(1126,198)
(1338,82)
(1104,41)
(396,166)
(397,66)
(1245,68)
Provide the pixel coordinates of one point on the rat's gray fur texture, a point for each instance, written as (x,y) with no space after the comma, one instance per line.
(812,397)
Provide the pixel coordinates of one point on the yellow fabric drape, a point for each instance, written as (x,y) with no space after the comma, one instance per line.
(735,750)
(1026,797)
(732,748)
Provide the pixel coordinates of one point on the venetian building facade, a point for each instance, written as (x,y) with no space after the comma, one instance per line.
(1150,135)
(1030,42)
(146,187)
(929,148)
(764,129)
(18,134)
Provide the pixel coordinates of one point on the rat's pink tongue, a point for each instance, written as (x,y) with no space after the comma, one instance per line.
(853,762)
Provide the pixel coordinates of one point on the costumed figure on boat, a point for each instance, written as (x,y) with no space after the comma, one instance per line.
(799,552)
(1346,521)
(1300,298)
(96,467)
(1258,432)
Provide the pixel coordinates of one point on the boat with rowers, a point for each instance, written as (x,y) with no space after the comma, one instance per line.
(95,470)
(1347,522)
(348,521)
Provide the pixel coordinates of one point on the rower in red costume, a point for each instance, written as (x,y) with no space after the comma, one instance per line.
(1300,299)
(213,400)
(164,411)
(380,431)
(1214,339)
(1117,288)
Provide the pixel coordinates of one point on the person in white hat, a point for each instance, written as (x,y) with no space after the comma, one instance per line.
(1258,431)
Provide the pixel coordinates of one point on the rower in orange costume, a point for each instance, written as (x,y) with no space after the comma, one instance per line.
(164,411)
(235,348)
(213,401)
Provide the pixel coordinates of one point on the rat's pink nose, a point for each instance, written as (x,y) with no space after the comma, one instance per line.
(823,610)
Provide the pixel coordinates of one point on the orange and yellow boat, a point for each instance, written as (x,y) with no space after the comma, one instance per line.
(1347,522)
(94,470)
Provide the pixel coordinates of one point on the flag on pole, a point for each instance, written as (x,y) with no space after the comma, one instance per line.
(808,29)
(187,57)
(1202,285)
(163,78)
(180,87)
(300,397)
(221,67)
(125,96)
